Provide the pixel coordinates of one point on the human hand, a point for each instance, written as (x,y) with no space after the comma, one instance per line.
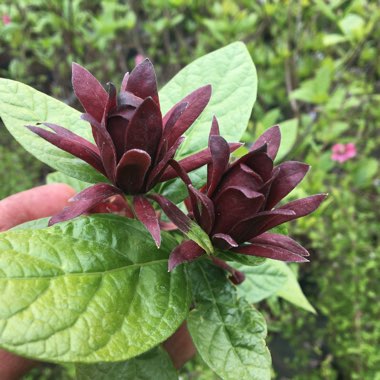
(45,201)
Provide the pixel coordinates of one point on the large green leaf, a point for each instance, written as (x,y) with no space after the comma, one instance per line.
(22,105)
(232,75)
(291,291)
(92,289)
(155,364)
(262,281)
(228,333)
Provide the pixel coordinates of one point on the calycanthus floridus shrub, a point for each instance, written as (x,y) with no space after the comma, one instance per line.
(102,281)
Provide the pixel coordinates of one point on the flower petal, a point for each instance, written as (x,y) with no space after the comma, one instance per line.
(302,207)
(145,128)
(197,102)
(240,174)
(259,162)
(214,131)
(67,133)
(234,204)
(248,228)
(270,252)
(131,171)
(267,220)
(168,126)
(290,175)
(220,155)
(147,216)
(117,127)
(89,91)
(85,201)
(194,161)
(205,208)
(105,144)
(224,241)
(185,252)
(124,82)
(142,81)
(182,221)
(70,145)
(157,171)
(271,137)
(282,241)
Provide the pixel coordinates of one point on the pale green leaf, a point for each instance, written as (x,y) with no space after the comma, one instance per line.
(289,129)
(228,333)
(292,292)
(154,364)
(262,281)
(32,225)
(353,26)
(232,75)
(58,177)
(333,39)
(22,105)
(92,289)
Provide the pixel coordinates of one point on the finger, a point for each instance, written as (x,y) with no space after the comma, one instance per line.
(12,367)
(180,346)
(35,203)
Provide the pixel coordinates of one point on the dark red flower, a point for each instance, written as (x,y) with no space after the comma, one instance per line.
(239,203)
(134,143)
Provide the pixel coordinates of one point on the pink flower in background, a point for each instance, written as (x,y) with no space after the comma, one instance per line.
(138,59)
(343,152)
(6,19)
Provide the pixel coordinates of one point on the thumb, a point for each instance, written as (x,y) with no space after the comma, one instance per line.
(35,203)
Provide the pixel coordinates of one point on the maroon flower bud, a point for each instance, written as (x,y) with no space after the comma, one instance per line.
(134,143)
(239,203)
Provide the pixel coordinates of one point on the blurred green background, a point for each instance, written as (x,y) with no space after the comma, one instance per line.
(319,77)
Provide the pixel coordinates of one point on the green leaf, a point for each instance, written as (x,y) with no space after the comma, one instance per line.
(353,26)
(261,281)
(232,74)
(36,224)
(92,289)
(155,364)
(58,177)
(365,171)
(333,39)
(291,290)
(22,105)
(282,229)
(289,129)
(199,236)
(241,259)
(228,333)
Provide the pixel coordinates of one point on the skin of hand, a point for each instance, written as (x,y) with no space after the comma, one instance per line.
(44,201)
